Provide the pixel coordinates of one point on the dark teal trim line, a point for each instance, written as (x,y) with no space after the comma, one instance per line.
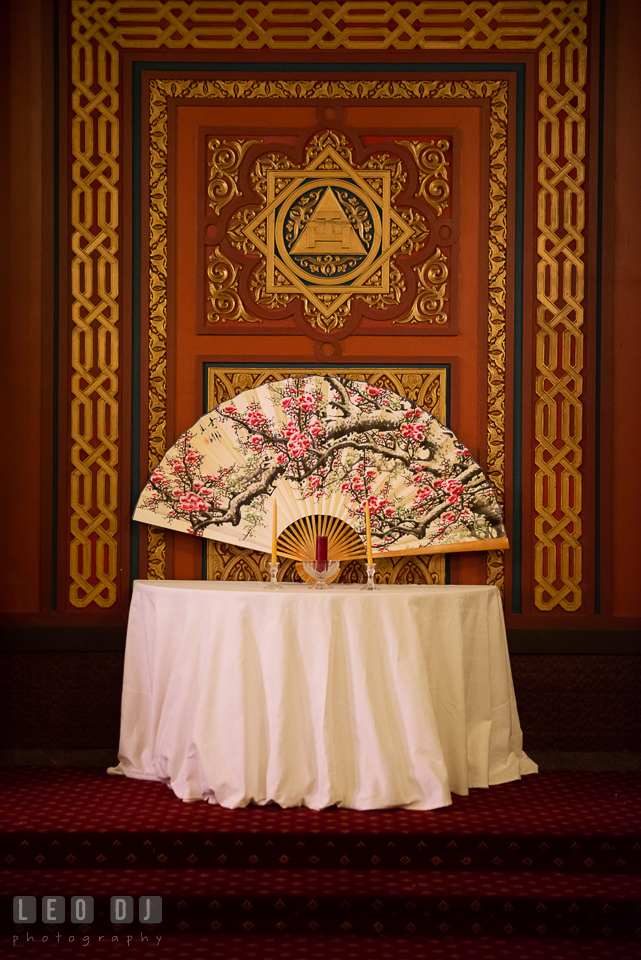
(344,68)
(517,405)
(136,346)
(518,69)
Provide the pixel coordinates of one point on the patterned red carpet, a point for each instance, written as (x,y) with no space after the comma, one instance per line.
(547,867)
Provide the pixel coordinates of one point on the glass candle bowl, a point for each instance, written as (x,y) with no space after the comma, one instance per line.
(321,571)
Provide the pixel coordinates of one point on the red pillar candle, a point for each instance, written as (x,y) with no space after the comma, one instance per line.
(321,549)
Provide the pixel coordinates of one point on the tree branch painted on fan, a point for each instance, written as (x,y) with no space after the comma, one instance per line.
(330,439)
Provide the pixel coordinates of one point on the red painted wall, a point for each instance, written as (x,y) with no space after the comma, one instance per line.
(27,308)
(26,301)
(626,315)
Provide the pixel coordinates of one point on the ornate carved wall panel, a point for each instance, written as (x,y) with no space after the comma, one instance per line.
(556,31)
(164,92)
(329,232)
(560,338)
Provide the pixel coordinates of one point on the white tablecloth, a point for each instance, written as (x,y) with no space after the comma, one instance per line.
(237,694)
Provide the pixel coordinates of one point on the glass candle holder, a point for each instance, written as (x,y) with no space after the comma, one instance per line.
(272,583)
(371,571)
(320,571)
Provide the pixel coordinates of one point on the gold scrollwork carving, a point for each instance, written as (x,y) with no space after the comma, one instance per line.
(420,231)
(258,284)
(258,176)
(432,286)
(383,161)
(334,321)
(223,291)
(497,292)
(430,159)
(235,230)
(226,158)
(382,301)
(329,138)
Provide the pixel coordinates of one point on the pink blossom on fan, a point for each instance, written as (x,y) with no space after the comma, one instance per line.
(191,502)
(257,442)
(374,391)
(230,409)
(287,402)
(297,445)
(308,403)
(315,429)
(453,488)
(412,431)
(281,458)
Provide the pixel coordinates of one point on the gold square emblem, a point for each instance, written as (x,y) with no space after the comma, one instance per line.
(328,231)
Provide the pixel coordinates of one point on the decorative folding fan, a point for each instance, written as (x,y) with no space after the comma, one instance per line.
(321,446)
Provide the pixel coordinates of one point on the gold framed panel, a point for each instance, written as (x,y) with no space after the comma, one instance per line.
(557,31)
(426,386)
(495,91)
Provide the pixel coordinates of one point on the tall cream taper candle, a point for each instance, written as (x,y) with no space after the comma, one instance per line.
(275,534)
(368,528)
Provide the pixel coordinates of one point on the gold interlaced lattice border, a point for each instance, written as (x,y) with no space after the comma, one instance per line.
(560,278)
(494,90)
(99,29)
(426,387)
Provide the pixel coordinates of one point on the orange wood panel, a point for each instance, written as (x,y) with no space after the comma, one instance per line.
(188,349)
